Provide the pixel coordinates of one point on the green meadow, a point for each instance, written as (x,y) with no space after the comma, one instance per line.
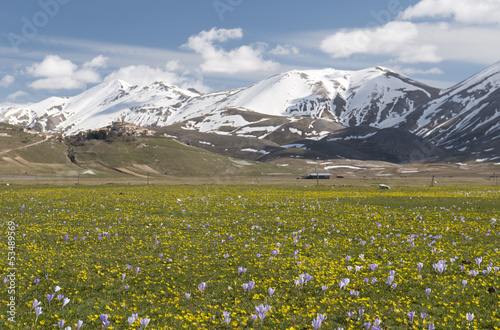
(249,257)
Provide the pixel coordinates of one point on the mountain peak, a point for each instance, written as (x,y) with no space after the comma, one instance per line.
(118,83)
(384,69)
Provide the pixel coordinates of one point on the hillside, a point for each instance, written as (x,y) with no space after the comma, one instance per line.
(24,155)
(306,108)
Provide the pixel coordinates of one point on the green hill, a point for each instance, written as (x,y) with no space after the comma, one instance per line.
(29,156)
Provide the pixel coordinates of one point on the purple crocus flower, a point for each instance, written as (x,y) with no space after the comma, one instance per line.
(36,303)
(324,288)
(104,320)
(202,286)
(50,297)
(261,311)
(79,324)
(428,292)
(37,281)
(144,322)
(344,282)
(316,323)
(65,302)
(411,315)
(373,267)
(431,326)
(187,295)
(227,317)
(367,325)
(423,315)
(131,320)
(469,317)
(38,311)
(270,291)
(361,311)
(60,324)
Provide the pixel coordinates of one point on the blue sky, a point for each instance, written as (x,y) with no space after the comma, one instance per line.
(62,47)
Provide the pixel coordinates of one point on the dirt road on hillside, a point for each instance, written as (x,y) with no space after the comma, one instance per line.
(23,147)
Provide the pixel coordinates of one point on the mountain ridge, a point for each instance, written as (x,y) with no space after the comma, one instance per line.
(462,117)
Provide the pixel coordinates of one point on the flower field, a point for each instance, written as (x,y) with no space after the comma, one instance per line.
(233,257)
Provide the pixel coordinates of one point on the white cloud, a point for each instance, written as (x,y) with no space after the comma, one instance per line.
(412,71)
(471,44)
(247,58)
(12,97)
(398,39)
(285,50)
(97,62)
(144,75)
(462,11)
(7,81)
(56,73)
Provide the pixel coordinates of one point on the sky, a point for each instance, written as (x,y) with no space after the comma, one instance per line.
(63,47)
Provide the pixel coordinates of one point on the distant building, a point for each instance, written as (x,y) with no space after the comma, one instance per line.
(130,129)
(320,176)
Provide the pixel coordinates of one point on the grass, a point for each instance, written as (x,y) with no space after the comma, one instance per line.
(181,236)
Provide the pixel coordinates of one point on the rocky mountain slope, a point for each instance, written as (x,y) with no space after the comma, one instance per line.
(297,107)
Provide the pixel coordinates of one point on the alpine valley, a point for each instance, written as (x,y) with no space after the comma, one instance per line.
(371,114)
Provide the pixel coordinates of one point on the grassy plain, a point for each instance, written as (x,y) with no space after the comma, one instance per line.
(122,250)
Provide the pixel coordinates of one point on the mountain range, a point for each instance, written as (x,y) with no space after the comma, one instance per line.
(374,113)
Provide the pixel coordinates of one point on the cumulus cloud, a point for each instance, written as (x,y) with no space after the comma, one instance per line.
(12,97)
(247,58)
(398,39)
(7,81)
(462,11)
(281,50)
(143,75)
(57,73)
(412,71)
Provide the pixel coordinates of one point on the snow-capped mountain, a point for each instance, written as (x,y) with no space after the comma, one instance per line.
(463,117)
(377,97)
(100,106)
